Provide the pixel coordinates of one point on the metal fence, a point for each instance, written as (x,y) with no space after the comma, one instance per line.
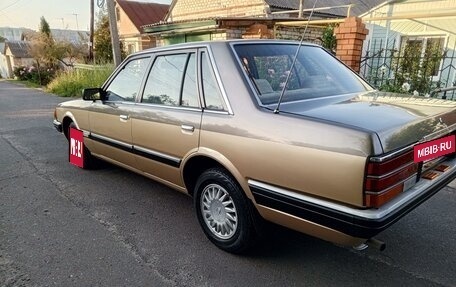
(409,66)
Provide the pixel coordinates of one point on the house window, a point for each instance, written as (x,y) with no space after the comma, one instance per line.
(131,48)
(423,52)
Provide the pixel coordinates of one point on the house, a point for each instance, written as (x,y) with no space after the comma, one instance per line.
(131,16)
(13,34)
(75,37)
(197,20)
(399,30)
(14,54)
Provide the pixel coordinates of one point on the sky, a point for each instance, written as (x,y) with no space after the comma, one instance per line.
(60,14)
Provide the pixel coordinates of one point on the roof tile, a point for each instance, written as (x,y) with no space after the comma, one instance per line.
(143,13)
(360,6)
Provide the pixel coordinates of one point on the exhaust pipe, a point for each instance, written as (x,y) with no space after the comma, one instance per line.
(377,244)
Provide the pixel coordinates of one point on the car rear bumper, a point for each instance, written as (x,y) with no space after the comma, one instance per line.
(58,126)
(361,223)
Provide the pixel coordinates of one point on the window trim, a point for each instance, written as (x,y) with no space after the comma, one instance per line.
(218,80)
(155,55)
(255,94)
(173,50)
(120,68)
(425,36)
(181,94)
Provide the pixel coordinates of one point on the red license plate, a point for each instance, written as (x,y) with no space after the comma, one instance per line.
(434,149)
(76,147)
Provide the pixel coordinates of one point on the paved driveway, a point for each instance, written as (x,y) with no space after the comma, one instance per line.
(63,226)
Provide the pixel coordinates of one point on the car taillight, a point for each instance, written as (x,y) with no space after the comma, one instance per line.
(385,179)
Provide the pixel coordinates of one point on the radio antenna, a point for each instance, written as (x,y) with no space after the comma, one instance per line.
(277,109)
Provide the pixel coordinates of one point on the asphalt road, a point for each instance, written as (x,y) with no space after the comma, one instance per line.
(63,226)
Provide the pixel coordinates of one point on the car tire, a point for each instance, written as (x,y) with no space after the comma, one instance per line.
(224,212)
(90,162)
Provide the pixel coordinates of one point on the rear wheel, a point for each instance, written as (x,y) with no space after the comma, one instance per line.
(223,211)
(90,162)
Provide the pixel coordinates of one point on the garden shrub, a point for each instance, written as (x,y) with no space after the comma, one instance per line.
(41,76)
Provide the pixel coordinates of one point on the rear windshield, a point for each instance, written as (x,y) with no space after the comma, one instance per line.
(315,74)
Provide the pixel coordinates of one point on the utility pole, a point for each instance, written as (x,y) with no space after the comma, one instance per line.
(63,22)
(114,33)
(301,4)
(92,11)
(77,23)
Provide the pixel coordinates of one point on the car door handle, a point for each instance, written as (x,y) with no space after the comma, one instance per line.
(188,128)
(124,117)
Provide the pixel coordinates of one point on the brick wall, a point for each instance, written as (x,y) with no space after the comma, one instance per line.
(124,24)
(218,36)
(199,9)
(313,34)
(350,36)
(160,42)
(235,33)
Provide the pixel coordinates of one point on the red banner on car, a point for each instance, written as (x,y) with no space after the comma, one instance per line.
(435,148)
(76,147)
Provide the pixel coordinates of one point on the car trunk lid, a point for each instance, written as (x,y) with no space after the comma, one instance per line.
(398,120)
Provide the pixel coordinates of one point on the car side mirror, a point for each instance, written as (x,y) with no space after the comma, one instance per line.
(93,94)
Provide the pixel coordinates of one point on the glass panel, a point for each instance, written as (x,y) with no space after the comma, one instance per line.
(212,95)
(433,55)
(190,90)
(315,74)
(422,54)
(164,82)
(127,82)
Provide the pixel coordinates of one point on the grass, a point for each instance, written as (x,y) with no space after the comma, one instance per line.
(71,83)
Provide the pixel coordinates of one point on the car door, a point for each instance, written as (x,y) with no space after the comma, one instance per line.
(110,120)
(166,124)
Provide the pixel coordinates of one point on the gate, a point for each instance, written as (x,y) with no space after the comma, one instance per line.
(422,67)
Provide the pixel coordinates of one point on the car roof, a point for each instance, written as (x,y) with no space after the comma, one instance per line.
(219,43)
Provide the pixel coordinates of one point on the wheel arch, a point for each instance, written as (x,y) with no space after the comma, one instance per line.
(205,159)
(68,118)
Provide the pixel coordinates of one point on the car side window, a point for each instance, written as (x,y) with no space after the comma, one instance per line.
(212,95)
(172,81)
(126,84)
(190,89)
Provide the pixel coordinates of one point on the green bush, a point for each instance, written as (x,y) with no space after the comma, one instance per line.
(71,83)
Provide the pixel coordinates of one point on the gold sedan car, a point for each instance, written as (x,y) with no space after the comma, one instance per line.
(253,132)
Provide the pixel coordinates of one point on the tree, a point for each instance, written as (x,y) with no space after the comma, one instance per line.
(49,52)
(102,40)
(328,39)
(44,27)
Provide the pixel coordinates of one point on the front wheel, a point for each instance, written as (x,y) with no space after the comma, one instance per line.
(223,211)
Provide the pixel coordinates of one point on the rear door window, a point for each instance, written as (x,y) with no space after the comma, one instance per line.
(211,91)
(172,81)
